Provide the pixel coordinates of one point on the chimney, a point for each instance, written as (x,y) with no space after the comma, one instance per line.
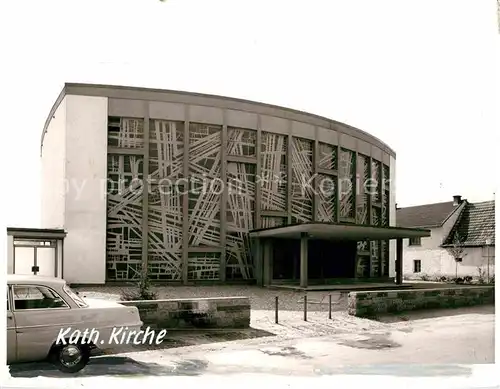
(457,200)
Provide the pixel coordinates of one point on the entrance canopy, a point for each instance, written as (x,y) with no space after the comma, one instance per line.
(35,251)
(332,231)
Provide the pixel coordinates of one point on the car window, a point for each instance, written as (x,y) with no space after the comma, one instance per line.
(78,300)
(36,297)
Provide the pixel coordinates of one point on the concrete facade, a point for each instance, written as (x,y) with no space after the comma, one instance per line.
(97,138)
(74,168)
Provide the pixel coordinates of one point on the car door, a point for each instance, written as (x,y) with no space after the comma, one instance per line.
(40,313)
(11,331)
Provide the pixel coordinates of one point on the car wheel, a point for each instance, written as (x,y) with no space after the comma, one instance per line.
(71,358)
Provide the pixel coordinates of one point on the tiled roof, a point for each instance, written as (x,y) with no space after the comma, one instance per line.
(428,215)
(475,225)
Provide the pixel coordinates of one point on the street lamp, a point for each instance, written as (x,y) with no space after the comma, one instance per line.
(488,243)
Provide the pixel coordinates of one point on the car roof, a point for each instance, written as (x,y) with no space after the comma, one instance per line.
(32,279)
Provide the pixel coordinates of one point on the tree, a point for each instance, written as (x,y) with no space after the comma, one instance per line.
(456,250)
(142,291)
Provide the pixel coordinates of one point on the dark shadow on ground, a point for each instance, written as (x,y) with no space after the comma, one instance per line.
(184,338)
(430,313)
(112,366)
(231,335)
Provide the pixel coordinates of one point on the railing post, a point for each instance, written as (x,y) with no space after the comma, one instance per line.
(276,310)
(330,306)
(305,307)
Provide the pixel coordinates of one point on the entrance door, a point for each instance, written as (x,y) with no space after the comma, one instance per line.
(35,257)
(331,259)
(24,259)
(46,261)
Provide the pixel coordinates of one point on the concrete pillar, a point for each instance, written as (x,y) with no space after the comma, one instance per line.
(266,248)
(399,261)
(303,260)
(259,274)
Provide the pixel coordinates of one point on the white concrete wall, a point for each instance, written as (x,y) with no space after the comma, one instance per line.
(10,254)
(429,253)
(53,189)
(86,172)
(473,258)
(392,217)
(60,249)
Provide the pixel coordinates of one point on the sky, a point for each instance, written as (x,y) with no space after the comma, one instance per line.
(419,75)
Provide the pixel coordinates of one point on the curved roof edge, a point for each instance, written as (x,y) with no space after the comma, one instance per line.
(119,91)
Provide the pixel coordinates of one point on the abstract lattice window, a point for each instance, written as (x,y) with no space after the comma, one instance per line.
(376,216)
(241,142)
(327,198)
(302,180)
(126,132)
(166,149)
(385,209)
(386,196)
(385,258)
(273,221)
(273,172)
(205,185)
(363,196)
(240,215)
(375,259)
(124,213)
(386,177)
(203,266)
(376,182)
(165,232)
(346,183)
(327,158)
(363,259)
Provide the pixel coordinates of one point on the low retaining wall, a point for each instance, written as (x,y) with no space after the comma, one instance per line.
(370,304)
(218,312)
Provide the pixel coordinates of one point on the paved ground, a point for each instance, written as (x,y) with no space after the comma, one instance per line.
(317,347)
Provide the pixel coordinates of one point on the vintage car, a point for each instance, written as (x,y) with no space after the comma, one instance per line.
(46,320)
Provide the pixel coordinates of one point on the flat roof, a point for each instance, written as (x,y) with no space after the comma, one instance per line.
(150,94)
(332,231)
(36,233)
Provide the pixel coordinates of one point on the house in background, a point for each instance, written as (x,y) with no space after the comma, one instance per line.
(458,229)
(474,236)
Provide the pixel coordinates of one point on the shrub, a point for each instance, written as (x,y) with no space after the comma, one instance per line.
(468,279)
(481,275)
(443,279)
(141,292)
(425,277)
(457,280)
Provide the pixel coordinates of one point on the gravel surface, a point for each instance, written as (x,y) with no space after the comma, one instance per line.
(260,298)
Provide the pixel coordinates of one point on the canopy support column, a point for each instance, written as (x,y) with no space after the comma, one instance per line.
(303,260)
(399,261)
